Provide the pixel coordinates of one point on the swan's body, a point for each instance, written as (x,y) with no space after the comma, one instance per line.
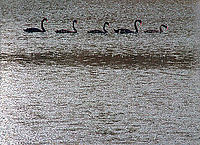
(157,31)
(100,31)
(127,31)
(68,31)
(123,31)
(31,30)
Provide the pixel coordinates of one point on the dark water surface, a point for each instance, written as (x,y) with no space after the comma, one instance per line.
(100,89)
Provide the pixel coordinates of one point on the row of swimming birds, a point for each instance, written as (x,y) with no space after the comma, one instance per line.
(104,31)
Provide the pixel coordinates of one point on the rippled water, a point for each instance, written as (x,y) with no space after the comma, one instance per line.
(100,89)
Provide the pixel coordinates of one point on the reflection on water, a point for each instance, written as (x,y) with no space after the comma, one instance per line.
(85,57)
(99,89)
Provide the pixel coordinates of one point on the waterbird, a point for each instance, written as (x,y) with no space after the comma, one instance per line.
(68,31)
(100,31)
(157,31)
(31,30)
(127,31)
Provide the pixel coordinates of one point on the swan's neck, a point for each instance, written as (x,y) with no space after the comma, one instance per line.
(74,28)
(136,28)
(42,26)
(161,29)
(104,28)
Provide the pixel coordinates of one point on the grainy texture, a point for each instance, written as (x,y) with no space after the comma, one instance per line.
(100,89)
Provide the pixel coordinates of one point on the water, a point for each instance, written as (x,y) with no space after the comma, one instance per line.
(100,89)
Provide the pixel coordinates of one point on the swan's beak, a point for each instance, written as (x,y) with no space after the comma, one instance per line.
(167,27)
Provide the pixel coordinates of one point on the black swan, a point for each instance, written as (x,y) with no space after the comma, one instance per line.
(157,31)
(68,31)
(100,31)
(126,31)
(30,30)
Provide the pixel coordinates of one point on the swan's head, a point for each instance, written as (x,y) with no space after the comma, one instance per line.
(75,21)
(138,21)
(106,23)
(165,26)
(45,19)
